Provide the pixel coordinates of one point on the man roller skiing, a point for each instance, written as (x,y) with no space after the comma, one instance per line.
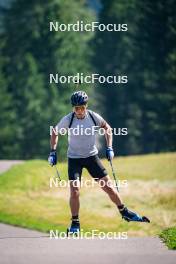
(82,153)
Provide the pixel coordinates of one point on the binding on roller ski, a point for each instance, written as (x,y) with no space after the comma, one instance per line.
(83,153)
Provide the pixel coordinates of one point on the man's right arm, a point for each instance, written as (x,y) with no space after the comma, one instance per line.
(64,122)
(52,159)
(53,140)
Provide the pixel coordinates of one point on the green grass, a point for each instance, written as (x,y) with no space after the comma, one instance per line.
(27,200)
(169,237)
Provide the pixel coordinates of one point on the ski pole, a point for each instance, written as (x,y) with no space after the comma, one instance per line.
(57,172)
(113,173)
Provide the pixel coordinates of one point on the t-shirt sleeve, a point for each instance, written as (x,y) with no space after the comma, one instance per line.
(63,124)
(99,120)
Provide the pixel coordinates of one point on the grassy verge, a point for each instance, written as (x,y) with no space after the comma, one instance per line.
(169,237)
(27,200)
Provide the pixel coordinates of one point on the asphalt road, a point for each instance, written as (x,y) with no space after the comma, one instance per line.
(22,246)
(7,164)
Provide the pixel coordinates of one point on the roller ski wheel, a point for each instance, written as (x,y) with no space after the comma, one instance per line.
(130,216)
(145,219)
(138,218)
(74,229)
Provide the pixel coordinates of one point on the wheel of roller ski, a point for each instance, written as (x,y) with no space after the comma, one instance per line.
(145,219)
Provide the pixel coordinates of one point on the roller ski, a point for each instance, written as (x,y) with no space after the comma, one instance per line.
(74,229)
(130,216)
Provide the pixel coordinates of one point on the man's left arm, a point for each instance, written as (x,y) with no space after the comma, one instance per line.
(108,134)
(109,139)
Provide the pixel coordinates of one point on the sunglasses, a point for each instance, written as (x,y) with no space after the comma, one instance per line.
(82,108)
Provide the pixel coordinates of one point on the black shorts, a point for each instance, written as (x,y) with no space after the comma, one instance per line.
(92,164)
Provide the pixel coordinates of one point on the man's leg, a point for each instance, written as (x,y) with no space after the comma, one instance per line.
(98,172)
(74,198)
(74,207)
(74,173)
(107,186)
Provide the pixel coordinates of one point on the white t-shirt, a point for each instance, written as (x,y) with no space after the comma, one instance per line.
(81,135)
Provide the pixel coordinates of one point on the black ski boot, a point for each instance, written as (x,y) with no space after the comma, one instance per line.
(74,227)
(129,216)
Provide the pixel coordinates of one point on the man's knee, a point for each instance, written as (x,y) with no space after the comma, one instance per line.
(106,184)
(74,193)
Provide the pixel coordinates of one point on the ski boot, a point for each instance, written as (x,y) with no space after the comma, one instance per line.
(74,228)
(130,216)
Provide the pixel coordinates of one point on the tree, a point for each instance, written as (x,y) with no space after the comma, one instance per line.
(115,56)
(33,52)
(7,119)
(146,53)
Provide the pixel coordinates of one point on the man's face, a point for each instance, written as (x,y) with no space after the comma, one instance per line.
(80,111)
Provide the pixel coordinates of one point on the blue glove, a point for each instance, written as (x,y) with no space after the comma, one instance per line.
(109,153)
(52,159)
